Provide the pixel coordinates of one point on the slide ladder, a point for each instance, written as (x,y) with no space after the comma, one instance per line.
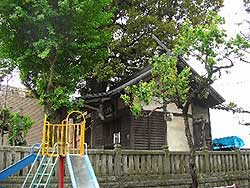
(19,165)
(44,172)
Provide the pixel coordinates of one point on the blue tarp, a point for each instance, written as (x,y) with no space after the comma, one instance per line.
(228,142)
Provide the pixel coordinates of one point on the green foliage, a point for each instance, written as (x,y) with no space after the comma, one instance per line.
(167,85)
(168,81)
(136,20)
(5,68)
(207,44)
(59,98)
(141,94)
(15,125)
(55,44)
(232,105)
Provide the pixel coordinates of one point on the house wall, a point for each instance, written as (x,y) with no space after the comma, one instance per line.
(125,132)
(176,134)
(18,102)
(176,137)
(176,129)
(97,128)
(148,132)
(103,130)
(202,126)
(200,112)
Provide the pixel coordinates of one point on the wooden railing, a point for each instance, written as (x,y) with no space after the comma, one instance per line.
(119,162)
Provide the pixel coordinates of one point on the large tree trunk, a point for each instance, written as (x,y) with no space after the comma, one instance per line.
(55,116)
(192,166)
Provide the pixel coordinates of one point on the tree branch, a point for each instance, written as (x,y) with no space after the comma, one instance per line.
(136,39)
(232,109)
(52,70)
(34,92)
(150,113)
(245,124)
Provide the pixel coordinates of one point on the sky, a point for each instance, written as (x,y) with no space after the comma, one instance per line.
(234,86)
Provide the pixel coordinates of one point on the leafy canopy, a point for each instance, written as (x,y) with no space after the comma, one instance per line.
(55,43)
(174,83)
(136,20)
(208,45)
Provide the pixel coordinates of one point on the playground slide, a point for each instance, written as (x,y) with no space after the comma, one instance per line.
(81,172)
(17,166)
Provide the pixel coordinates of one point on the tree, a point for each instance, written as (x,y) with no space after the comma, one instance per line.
(206,44)
(5,68)
(134,23)
(55,44)
(234,108)
(245,35)
(15,126)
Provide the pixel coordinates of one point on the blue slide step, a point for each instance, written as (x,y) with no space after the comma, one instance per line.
(17,166)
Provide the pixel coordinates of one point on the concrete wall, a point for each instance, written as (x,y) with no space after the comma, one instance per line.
(120,168)
(150,181)
(175,126)
(176,134)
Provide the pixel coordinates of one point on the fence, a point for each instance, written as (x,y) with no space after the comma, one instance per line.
(119,162)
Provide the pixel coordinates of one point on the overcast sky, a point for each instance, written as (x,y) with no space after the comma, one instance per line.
(234,87)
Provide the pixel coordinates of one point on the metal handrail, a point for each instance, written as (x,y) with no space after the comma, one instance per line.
(86,148)
(44,170)
(33,164)
(64,136)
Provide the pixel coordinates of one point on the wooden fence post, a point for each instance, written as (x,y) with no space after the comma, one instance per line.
(117,161)
(239,161)
(166,160)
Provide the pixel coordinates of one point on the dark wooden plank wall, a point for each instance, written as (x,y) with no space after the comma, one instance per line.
(148,132)
(125,124)
(103,131)
(157,130)
(120,123)
(97,135)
